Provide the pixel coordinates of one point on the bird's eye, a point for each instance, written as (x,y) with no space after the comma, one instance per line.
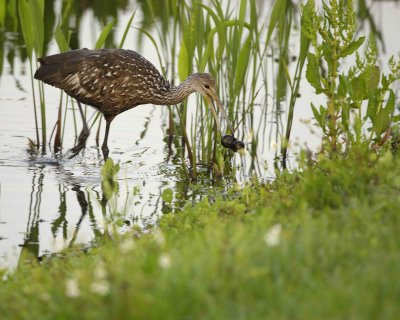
(206,86)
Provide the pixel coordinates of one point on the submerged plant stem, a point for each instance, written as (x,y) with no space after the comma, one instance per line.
(34,106)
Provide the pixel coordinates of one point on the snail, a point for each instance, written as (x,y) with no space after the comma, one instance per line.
(232,143)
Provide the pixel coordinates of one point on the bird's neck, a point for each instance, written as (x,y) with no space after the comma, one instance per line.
(176,94)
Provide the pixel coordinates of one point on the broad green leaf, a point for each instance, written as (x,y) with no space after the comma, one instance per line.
(317,115)
(37,10)
(328,54)
(342,92)
(323,112)
(312,73)
(355,105)
(2,11)
(353,46)
(109,182)
(167,195)
(154,42)
(346,116)
(373,81)
(12,13)
(183,62)
(27,26)
(104,34)
(61,40)
(219,27)
(127,27)
(390,103)
(383,118)
(304,47)
(372,106)
(396,118)
(200,31)
(243,62)
(277,11)
(358,90)
(320,116)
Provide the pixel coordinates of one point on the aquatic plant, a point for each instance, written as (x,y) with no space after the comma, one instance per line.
(293,248)
(333,37)
(31,17)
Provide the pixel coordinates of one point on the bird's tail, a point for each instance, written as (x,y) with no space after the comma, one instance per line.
(55,68)
(47,73)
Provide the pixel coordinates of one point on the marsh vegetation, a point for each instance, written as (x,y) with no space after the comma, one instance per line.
(302,225)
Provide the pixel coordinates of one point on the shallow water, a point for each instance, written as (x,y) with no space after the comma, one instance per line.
(48,202)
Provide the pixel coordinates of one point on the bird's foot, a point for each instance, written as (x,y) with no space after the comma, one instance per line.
(73,152)
(80,145)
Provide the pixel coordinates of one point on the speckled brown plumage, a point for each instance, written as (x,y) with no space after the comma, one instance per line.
(116,80)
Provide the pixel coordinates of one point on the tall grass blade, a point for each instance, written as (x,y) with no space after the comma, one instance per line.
(183,62)
(27,25)
(61,40)
(154,42)
(277,10)
(63,45)
(304,46)
(3,8)
(104,34)
(128,26)
(242,64)
(37,11)
(27,28)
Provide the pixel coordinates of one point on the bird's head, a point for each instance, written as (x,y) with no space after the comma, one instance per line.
(204,84)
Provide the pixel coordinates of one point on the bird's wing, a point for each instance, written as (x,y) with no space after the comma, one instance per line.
(119,78)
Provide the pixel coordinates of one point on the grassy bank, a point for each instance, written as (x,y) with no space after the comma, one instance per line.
(323,243)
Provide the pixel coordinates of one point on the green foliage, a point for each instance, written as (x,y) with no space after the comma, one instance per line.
(333,38)
(167,195)
(62,41)
(313,244)
(295,83)
(31,20)
(183,62)
(313,74)
(127,27)
(104,34)
(109,181)
(208,38)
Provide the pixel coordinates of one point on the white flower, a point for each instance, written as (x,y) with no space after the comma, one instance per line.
(5,277)
(159,238)
(164,261)
(100,287)
(126,245)
(45,296)
(100,272)
(272,237)
(72,288)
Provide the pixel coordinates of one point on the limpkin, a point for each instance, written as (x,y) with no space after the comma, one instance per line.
(116,80)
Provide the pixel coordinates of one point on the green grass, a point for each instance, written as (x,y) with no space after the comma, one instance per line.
(336,257)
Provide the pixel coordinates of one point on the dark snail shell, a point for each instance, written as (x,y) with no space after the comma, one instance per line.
(237,145)
(227,141)
(232,143)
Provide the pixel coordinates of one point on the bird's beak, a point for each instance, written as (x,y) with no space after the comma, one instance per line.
(212,101)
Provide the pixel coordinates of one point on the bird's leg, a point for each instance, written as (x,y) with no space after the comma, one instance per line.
(104,147)
(82,136)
